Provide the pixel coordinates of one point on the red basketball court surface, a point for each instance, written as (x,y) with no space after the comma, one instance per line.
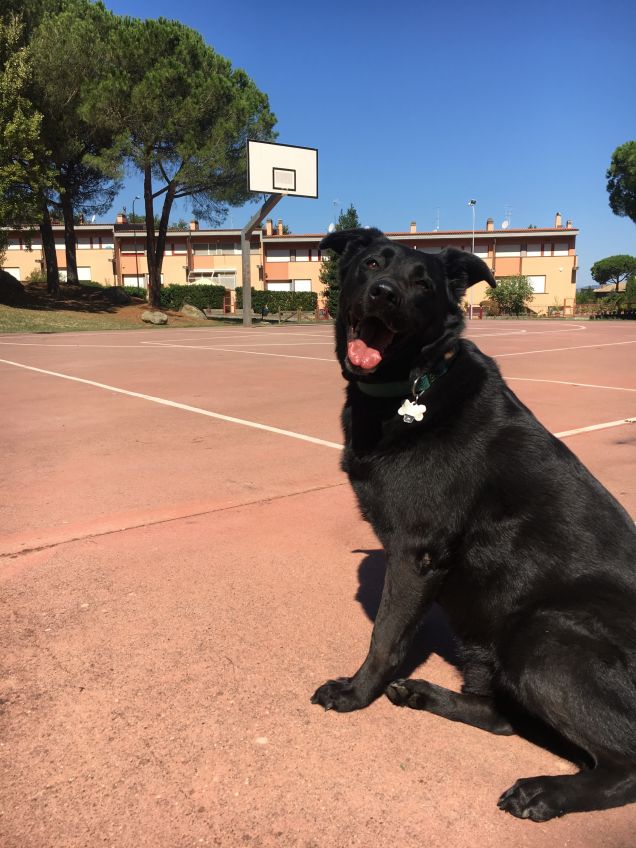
(182,564)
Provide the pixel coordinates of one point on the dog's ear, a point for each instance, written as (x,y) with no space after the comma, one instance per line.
(343,240)
(464,270)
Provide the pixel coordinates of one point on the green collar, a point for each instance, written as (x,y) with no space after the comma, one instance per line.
(400,388)
(385,390)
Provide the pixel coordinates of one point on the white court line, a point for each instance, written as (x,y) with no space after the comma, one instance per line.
(163,402)
(570,383)
(255,425)
(248,342)
(243,334)
(236,350)
(554,349)
(159,344)
(70,344)
(592,427)
(322,359)
(528,332)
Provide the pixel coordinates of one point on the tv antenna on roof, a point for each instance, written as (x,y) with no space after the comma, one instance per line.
(506,222)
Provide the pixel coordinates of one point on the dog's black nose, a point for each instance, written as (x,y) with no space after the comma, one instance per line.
(384,291)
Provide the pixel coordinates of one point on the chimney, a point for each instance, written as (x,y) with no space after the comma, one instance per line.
(413,227)
(193,225)
(557,221)
(121,218)
(568,224)
(490,225)
(269,227)
(279,227)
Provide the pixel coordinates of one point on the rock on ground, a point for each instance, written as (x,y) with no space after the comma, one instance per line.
(154,317)
(192,311)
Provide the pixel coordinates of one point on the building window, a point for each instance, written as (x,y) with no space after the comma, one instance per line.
(225,277)
(302,255)
(83,242)
(216,248)
(84,273)
(537,281)
(276,254)
(534,248)
(561,248)
(301,285)
(129,246)
(504,249)
(135,281)
(283,285)
(547,248)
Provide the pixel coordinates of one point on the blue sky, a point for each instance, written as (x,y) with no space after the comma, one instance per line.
(418,107)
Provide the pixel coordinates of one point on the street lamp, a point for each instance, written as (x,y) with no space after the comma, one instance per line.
(135,228)
(472,204)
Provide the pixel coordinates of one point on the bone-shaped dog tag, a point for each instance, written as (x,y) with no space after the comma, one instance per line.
(411,412)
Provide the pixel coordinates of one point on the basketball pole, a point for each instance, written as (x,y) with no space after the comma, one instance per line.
(246,234)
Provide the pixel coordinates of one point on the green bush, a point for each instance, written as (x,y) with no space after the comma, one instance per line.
(37,276)
(205,296)
(512,294)
(275,300)
(133,291)
(586,295)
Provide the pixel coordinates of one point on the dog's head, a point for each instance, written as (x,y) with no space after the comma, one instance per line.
(396,301)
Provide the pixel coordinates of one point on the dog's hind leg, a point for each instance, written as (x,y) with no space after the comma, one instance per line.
(580,682)
(476,710)
(609,784)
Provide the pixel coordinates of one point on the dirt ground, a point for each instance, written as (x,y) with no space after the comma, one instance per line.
(182,563)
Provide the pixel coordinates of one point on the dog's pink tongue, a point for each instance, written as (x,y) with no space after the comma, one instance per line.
(362,355)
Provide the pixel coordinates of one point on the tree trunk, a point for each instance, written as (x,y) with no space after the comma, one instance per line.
(50,257)
(160,245)
(69,238)
(156,243)
(154,274)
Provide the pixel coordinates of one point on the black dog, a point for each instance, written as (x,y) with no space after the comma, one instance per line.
(481,509)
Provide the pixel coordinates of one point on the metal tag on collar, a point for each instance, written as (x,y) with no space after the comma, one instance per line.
(410,411)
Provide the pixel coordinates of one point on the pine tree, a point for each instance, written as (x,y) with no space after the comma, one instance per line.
(329,273)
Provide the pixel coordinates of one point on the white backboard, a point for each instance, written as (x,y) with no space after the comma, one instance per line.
(282,169)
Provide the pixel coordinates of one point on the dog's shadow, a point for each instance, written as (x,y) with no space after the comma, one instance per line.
(434,635)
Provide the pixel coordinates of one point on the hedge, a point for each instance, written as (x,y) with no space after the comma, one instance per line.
(133,291)
(275,300)
(202,295)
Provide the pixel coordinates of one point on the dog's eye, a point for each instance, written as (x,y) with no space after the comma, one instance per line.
(372,263)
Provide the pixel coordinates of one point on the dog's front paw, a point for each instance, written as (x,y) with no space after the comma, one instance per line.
(340,695)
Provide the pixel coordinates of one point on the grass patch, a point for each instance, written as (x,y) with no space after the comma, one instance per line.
(80,308)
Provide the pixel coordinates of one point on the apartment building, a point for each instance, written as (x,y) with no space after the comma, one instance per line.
(114,254)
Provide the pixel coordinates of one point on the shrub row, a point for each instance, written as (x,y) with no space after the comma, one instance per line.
(274,300)
(625,314)
(204,296)
(133,291)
